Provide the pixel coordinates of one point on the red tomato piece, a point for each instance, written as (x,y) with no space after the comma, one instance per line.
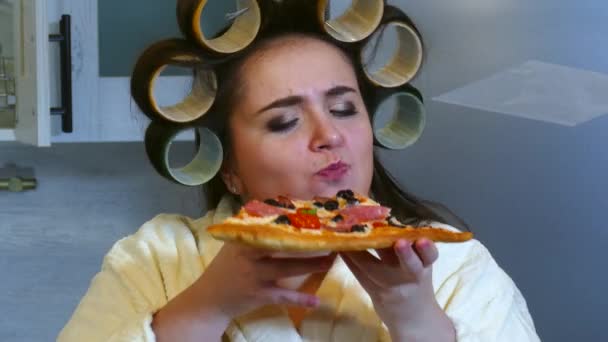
(304,221)
(380,224)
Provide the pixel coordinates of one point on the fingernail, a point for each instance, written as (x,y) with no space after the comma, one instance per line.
(423,243)
(402,245)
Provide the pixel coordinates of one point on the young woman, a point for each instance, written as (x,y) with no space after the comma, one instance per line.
(297,123)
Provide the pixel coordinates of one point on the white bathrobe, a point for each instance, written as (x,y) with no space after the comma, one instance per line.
(142,272)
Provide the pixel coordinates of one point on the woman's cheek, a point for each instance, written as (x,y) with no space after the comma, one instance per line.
(361,139)
(283,157)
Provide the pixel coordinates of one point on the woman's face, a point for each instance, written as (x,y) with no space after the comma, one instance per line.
(299,126)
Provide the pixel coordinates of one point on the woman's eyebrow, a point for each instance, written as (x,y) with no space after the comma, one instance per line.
(294,100)
(339,90)
(283,102)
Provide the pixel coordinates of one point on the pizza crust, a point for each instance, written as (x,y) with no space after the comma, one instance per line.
(285,238)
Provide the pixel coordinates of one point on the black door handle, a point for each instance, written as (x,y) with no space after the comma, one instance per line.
(64,38)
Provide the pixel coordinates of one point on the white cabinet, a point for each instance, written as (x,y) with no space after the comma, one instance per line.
(102,108)
(24,96)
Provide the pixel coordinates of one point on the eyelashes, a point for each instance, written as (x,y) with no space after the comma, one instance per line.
(279,123)
(348,110)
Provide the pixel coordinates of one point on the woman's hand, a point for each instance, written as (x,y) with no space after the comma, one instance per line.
(401,288)
(238,280)
(241,279)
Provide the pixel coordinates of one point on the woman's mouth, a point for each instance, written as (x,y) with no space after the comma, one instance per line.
(334,171)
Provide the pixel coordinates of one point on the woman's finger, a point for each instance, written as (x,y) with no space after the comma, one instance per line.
(368,283)
(280,296)
(248,251)
(277,268)
(407,256)
(426,251)
(374,268)
(388,256)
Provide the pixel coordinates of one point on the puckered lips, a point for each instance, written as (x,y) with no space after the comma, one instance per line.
(334,171)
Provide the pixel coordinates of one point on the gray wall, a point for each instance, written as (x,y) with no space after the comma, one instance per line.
(52,240)
(534,193)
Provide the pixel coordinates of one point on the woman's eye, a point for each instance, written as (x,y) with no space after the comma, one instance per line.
(346,109)
(280,125)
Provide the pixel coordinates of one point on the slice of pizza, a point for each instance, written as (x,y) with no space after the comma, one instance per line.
(345,222)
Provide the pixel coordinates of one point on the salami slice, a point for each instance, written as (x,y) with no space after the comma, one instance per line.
(365,213)
(261,209)
(346,224)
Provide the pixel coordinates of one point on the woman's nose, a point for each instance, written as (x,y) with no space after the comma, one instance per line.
(325,135)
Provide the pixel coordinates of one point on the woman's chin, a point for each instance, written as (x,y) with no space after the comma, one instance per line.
(329,190)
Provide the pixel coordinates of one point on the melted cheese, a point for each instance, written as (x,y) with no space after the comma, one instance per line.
(252,220)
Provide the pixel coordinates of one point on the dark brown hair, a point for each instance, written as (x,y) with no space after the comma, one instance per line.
(298,17)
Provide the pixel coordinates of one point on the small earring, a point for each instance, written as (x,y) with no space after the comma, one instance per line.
(232,189)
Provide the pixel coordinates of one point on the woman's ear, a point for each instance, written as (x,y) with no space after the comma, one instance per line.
(231,178)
